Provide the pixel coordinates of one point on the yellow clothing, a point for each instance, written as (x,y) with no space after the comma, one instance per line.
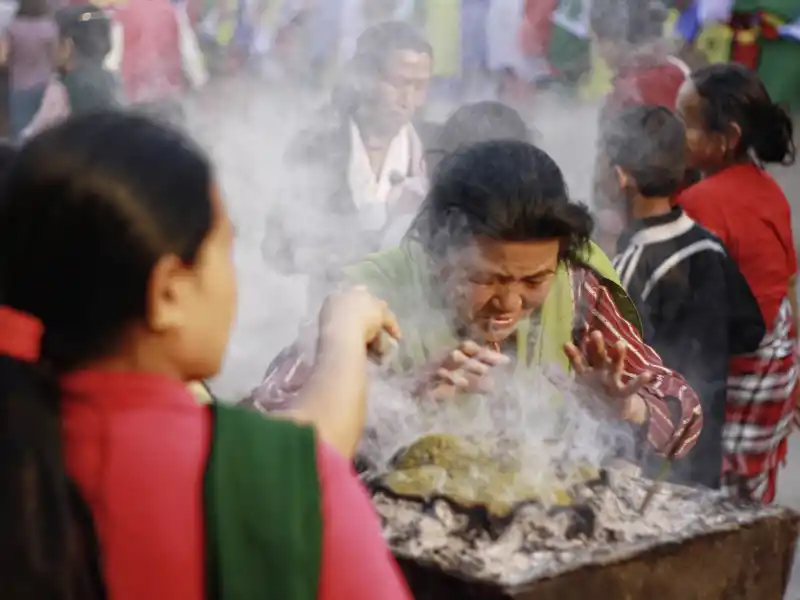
(443,29)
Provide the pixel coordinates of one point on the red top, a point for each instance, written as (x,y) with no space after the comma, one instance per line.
(747,209)
(534,33)
(136,445)
(152,64)
(647,81)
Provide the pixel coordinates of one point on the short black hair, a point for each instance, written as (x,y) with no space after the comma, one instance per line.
(506,190)
(89,29)
(379,42)
(733,94)
(649,144)
(631,21)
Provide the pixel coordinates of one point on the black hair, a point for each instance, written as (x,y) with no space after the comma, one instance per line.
(90,206)
(649,144)
(34,8)
(88,28)
(504,190)
(8,152)
(631,21)
(732,94)
(379,42)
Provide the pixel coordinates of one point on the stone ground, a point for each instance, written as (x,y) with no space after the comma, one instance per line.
(244,124)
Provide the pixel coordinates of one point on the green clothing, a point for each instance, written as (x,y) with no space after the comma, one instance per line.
(263,509)
(569,49)
(402,277)
(778,67)
(778,59)
(442,22)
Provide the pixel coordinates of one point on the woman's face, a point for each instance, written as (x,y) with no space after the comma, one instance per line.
(493,285)
(193,306)
(704,150)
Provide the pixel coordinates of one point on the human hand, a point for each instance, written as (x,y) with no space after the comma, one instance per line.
(357,316)
(465,369)
(601,367)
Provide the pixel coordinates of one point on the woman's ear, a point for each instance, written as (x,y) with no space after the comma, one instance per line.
(169,285)
(733,137)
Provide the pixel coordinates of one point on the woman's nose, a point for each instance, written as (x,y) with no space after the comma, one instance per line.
(508,300)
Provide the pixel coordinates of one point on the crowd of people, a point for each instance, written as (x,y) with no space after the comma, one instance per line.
(675,308)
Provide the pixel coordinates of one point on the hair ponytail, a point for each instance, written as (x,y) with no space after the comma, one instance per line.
(773,139)
(49,550)
(735,96)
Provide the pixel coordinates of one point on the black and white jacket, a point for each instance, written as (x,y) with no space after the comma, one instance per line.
(697,311)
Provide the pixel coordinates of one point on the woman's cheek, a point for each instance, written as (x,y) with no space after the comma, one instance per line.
(536,297)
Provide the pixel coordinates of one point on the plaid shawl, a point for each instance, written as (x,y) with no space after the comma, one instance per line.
(759,411)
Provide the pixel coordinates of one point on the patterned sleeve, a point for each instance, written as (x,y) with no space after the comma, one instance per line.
(670,401)
(284,379)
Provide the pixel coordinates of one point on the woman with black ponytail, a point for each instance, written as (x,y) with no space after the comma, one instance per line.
(734,130)
(116,289)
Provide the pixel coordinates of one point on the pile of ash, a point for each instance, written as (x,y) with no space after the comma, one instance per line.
(437,514)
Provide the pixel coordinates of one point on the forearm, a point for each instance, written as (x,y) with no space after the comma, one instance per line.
(333,398)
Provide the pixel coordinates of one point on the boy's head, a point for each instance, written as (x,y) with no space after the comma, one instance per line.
(643,153)
(85,33)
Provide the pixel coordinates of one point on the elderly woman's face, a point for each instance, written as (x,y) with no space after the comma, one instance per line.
(494,285)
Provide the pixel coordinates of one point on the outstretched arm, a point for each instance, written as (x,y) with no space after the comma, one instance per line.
(669,401)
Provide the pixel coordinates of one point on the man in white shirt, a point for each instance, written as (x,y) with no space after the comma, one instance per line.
(361,165)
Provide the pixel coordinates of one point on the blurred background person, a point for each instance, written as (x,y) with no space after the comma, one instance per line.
(361,162)
(83,84)
(29,49)
(696,307)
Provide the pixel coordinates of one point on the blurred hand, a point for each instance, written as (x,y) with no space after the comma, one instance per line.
(601,367)
(356,315)
(467,369)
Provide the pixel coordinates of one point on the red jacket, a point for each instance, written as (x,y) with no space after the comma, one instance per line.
(653,82)
(152,65)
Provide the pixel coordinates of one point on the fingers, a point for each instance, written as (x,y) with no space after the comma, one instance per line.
(617,354)
(576,358)
(482,354)
(635,385)
(390,323)
(467,368)
(455,377)
(596,352)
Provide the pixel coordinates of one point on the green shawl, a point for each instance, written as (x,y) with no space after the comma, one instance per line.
(262,507)
(402,277)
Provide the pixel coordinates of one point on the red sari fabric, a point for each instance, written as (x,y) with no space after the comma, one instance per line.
(136,445)
(747,210)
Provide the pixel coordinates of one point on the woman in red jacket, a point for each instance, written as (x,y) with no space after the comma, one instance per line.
(116,288)
(733,130)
